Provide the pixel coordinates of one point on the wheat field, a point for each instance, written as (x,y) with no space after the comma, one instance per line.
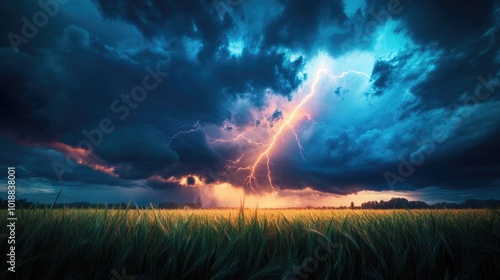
(256,244)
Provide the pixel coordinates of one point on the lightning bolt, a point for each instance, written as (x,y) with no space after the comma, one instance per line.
(251,179)
(195,127)
(298,142)
(240,136)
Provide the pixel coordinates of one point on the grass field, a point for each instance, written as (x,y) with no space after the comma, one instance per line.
(255,244)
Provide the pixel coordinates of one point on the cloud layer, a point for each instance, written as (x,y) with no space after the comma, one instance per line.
(167,94)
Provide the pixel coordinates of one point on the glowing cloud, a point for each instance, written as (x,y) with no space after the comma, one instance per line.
(251,180)
(253,160)
(83,157)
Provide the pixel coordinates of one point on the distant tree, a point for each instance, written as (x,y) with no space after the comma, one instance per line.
(352,205)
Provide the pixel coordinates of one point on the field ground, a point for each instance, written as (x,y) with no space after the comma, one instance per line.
(254,244)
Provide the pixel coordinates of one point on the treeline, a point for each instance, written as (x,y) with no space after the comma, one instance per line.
(394,203)
(23,203)
(403,203)
(176,205)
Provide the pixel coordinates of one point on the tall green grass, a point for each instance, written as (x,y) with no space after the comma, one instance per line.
(255,244)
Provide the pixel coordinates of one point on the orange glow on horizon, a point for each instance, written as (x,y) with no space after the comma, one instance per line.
(227,195)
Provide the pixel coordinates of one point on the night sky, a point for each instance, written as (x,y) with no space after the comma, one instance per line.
(291,103)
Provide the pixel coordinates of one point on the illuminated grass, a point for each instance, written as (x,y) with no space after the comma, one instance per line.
(249,244)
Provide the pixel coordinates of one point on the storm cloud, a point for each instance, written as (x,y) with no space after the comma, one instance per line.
(170,95)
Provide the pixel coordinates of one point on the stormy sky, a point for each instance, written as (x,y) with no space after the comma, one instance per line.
(289,102)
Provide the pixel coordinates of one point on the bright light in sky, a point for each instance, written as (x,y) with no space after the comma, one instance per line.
(236,47)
